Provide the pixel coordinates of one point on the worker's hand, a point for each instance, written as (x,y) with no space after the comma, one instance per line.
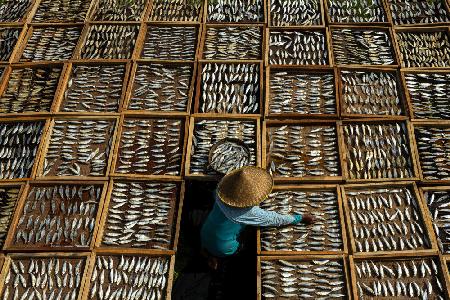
(308,219)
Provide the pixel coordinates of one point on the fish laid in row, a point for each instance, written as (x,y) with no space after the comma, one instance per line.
(8,40)
(438,203)
(14,10)
(418,11)
(8,199)
(119,10)
(295,12)
(241,11)
(361,11)
(59,11)
(176,10)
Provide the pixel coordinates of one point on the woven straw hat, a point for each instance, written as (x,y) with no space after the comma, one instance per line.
(245,187)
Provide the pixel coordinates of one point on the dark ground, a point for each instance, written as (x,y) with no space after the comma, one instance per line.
(235,277)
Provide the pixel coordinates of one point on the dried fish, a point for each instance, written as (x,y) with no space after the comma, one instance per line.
(93,88)
(110,41)
(8,39)
(8,199)
(119,10)
(57,215)
(170,43)
(176,10)
(438,202)
(230,88)
(433,145)
(428,93)
(294,12)
(30,89)
(417,11)
(362,47)
(370,93)
(360,11)
(160,87)
(14,10)
(301,92)
(151,146)
(56,11)
(229,156)
(141,215)
(242,11)
(299,151)
(79,147)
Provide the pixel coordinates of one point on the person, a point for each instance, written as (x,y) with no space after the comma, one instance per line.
(238,195)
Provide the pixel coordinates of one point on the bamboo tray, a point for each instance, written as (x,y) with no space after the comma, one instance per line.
(157,6)
(381,6)
(174,199)
(261,19)
(10,195)
(316,21)
(317,209)
(21,32)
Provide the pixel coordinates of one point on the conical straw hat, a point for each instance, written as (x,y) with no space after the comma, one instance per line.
(245,187)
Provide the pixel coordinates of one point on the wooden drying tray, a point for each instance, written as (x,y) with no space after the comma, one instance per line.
(177,219)
(428,227)
(342,258)
(322,12)
(9,242)
(393,256)
(46,142)
(21,186)
(432,124)
(311,187)
(199,17)
(324,30)
(198,89)
(116,144)
(306,123)
(308,70)
(446,7)
(66,76)
(34,65)
(445,261)
(47,255)
(130,87)
(26,18)
(391,120)
(205,15)
(22,34)
(385,69)
(36,7)
(383,6)
(95,4)
(390,33)
(84,294)
(220,117)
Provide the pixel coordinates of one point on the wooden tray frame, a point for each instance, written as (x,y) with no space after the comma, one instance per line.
(94,7)
(302,258)
(2,259)
(23,32)
(305,179)
(447,8)
(445,262)
(47,138)
(112,170)
(37,5)
(428,228)
(383,6)
(400,90)
(130,87)
(26,18)
(323,21)
(178,205)
(410,145)
(311,187)
(85,255)
(200,15)
(310,70)
(21,186)
(205,15)
(9,242)
(198,88)
(221,117)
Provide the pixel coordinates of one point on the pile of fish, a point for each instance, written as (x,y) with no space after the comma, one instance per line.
(424,49)
(241,11)
(129,277)
(386,219)
(303,279)
(58,216)
(14,10)
(433,145)
(294,12)
(19,142)
(378,151)
(51,43)
(30,90)
(297,48)
(79,148)
(418,11)
(438,203)
(229,156)
(176,10)
(43,278)
(230,88)
(413,278)
(8,39)
(362,47)
(371,93)
(324,235)
(151,146)
(94,88)
(62,11)
(8,199)
(119,10)
(428,93)
(110,42)
(209,132)
(299,151)
(361,11)
(170,43)
(141,215)
(228,43)
(301,93)
(160,87)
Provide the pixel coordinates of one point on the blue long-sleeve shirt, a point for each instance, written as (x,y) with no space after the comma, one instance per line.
(224,223)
